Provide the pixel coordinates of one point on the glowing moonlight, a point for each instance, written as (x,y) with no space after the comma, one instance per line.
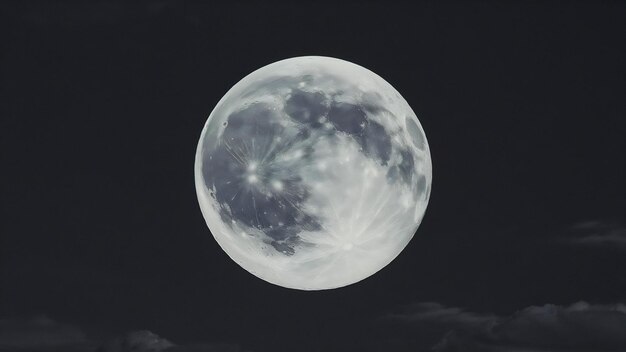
(313,173)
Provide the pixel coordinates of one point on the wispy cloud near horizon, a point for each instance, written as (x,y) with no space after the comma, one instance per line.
(41,333)
(575,328)
(597,234)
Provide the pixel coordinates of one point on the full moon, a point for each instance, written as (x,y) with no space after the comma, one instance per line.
(313,173)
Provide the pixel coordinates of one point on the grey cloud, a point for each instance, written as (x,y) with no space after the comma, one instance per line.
(436,313)
(219,347)
(597,234)
(41,334)
(147,341)
(137,341)
(420,326)
(617,240)
(575,328)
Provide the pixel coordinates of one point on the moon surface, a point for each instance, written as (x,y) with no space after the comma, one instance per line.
(313,173)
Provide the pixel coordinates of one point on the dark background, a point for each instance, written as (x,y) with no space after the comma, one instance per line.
(103,104)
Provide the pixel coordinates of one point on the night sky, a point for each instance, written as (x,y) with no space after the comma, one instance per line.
(523,105)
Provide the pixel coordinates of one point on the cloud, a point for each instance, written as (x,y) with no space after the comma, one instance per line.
(220,347)
(147,341)
(436,313)
(138,341)
(597,234)
(419,326)
(575,328)
(41,334)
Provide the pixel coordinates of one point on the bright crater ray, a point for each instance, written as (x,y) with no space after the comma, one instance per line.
(313,173)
